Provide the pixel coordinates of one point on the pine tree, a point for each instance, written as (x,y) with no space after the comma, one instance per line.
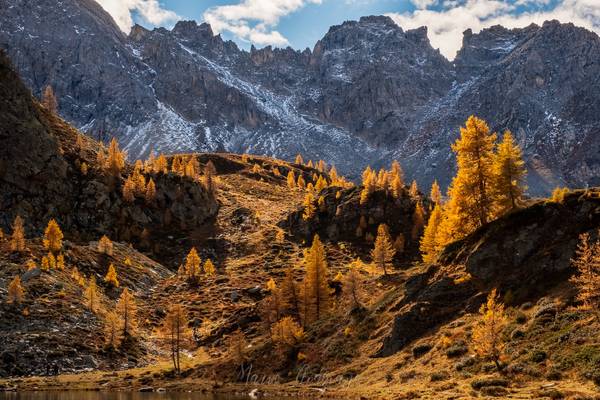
(105,246)
(209,268)
(315,282)
(487,335)
(587,265)
(436,193)
(309,207)
(150,192)
(470,200)
(111,277)
(193,265)
(15,291)
(53,237)
(91,295)
(383,251)
(509,174)
(418,221)
(17,240)
(116,158)
(175,329)
(429,242)
(127,311)
(111,330)
(299,160)
(291,180)
(49,100)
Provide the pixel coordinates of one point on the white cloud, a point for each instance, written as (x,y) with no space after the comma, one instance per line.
(254,20)
(446,25)
(150,10)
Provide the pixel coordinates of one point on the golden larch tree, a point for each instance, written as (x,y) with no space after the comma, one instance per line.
(430,246)
(587,277)
(53,237)
(129,190)
(174,330)
(105,246)
(49,100)
(112,330)
(111,277)
(150,191)
(116,158)
(290,294)
(383,251)
(397,172)
(209,268)
(91,295)
(17,240)
(299,160)
(127,312)
(309,207)
(272,304)
(286,334)
(301,183)
(193,265)
(352,284)
(509,175)
(470,196)
(418,220)
(487,336)
(291,180)
(317,299)
(15,291)
(436,193)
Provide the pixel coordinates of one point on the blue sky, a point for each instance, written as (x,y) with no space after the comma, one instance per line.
(300,23)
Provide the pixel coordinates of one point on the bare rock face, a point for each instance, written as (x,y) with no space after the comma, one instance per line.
(367,93)
(41,178)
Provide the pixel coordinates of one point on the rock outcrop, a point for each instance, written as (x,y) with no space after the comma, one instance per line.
(41,178)
(526,254)
(341,217)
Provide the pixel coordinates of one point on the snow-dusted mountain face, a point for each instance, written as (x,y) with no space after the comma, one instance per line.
(367,93)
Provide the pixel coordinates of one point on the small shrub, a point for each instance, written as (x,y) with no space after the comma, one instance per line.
(486,382)
(421,349)
(456,351)
(439,376)
(538,356)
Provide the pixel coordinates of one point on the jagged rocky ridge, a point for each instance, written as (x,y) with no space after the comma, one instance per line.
(368,91)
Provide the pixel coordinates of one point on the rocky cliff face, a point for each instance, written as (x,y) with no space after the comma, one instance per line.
(367,93)
(41,178)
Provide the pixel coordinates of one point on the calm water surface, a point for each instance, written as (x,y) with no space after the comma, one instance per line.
(117,396)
